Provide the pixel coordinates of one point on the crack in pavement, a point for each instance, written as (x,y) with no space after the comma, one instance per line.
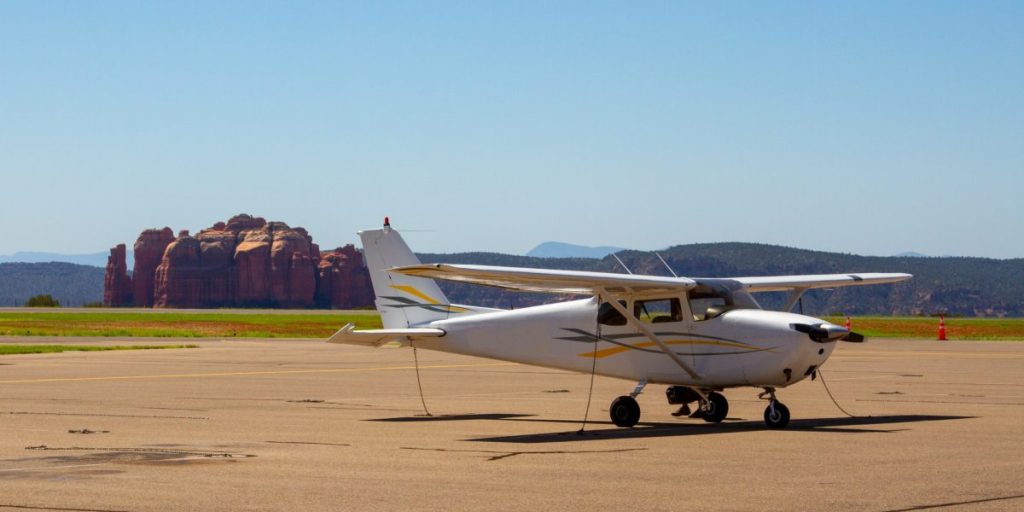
(161,451)
(308,442)
(499,454)
(64,509)
(955,503)
(103,415)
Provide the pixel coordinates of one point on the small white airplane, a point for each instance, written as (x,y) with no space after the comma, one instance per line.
(699,336)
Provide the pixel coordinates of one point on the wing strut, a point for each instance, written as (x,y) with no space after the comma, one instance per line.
(794,296)
(635,322)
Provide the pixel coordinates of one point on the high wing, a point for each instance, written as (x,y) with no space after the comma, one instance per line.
(787,283)
(546,280)
(376,337)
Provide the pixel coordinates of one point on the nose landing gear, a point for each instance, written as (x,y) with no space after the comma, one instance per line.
(776,415)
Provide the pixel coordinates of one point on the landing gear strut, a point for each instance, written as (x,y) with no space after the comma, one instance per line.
(776,415)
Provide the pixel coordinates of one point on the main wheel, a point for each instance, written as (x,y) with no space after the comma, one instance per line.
(625,412)
(776,415)
(716,409)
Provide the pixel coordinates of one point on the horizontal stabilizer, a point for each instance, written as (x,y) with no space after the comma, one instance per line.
(376,337)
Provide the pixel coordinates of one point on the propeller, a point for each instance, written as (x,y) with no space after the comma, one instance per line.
(853,338)
(825,333)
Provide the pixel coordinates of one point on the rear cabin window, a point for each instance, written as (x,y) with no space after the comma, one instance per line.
(607,315)
(656,311)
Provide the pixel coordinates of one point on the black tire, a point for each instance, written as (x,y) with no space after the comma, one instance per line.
(777,419)
(717,408)
(624,411)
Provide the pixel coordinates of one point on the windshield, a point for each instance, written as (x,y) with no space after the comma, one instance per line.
(711,298)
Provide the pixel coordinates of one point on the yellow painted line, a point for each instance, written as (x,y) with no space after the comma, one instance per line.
(245,374)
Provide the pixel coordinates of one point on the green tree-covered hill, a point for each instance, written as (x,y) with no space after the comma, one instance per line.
(955,286)
(71,284)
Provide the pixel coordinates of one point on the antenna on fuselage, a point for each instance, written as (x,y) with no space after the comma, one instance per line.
(663,262)
(628,271)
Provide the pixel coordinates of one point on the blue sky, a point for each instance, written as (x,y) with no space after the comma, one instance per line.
(860,127)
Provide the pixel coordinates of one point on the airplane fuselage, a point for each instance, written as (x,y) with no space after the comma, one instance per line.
(741,347)
(697,335)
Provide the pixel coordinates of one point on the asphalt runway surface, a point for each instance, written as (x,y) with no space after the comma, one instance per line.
(303,425)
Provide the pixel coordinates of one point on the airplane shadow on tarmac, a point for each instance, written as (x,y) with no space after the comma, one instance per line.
(451,417)
(860,425)
(598,429)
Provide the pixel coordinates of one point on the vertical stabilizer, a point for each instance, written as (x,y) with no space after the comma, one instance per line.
(403,301)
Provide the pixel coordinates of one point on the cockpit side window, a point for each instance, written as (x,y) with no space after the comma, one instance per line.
(656,311)
(707,302)
(607,315)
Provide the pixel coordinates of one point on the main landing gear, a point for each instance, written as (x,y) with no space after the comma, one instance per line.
(624,411)
(776,415)
(712,407)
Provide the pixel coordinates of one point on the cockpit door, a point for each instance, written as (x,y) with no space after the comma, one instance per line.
(669,319)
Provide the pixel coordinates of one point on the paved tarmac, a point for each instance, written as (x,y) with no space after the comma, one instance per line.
(302,425)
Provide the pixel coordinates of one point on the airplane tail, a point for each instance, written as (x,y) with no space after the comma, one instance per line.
(403,301)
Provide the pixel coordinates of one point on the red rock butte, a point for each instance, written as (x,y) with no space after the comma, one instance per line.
(245,262)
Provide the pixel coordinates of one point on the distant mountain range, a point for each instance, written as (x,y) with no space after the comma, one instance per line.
(98,259)
(567,250)
(952,285)
(71,284)
(564,250)
(543,250)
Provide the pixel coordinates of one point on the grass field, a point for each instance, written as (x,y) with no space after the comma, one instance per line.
(928,328)
(301,324)
(180,325)
(7,350)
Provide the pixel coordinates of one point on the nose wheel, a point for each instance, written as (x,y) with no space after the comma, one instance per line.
(776,415)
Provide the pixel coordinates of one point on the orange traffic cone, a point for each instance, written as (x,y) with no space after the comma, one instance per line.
(942,328)
(848,325)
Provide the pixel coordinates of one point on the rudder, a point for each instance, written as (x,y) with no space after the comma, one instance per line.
(403,301)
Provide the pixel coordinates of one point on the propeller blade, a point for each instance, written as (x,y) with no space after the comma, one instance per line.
(814,332)
(822,333)
(853,338)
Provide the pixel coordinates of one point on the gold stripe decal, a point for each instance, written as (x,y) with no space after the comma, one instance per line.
(411,290)
(415,293)
(618,350)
